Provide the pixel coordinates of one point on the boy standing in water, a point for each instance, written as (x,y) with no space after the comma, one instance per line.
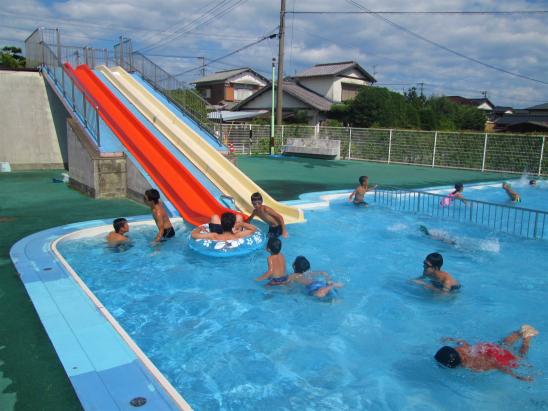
(165,229)
(276,264)
(488,356)
(359,193)
(274,220)
(121,227)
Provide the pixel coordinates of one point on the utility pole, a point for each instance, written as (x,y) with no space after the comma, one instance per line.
(281,35)
(484,94)
(272,127)
(202,70)
(422,87)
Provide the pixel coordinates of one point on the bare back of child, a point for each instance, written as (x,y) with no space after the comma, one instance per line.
(276,272)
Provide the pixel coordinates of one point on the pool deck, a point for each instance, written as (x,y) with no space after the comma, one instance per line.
(31,375)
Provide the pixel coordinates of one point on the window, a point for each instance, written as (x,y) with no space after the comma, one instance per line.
(349,91)
(243,91)
(206,92)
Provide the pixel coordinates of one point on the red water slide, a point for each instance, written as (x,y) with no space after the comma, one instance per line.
(195,204)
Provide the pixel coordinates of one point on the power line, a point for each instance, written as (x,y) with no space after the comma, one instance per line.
(513,12)
(420,37)
(213,13)
(271,36)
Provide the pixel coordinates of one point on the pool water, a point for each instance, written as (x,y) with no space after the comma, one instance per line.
(534,197)
(227,342)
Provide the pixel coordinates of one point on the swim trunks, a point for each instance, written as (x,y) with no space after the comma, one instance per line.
(278,280)
(439,285)
(360,203)
(169,232)
(215,228)
(315,286)
(503,357)
(275,232)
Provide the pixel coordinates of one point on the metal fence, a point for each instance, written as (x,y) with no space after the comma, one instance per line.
(50,57)
(507,219)
(512,153)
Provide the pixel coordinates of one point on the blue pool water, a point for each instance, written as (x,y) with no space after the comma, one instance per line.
(531,197)
(227,342)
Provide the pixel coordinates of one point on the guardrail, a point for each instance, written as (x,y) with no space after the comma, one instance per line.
(518,221)
(83,105)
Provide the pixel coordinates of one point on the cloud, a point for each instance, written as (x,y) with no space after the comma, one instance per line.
(516,43)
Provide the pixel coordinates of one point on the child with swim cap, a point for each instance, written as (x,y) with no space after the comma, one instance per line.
(488,356)
(317,284)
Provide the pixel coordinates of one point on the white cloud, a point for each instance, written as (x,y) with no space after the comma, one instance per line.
(516,43)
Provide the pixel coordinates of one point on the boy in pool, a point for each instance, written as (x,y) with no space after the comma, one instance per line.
(488,356)
(438,280)
(121,227)
(533,182)
(230,228)
(165,229)
(357,196)
(276,273)
(437,235)
(511,193)
(276,223)
(315,286)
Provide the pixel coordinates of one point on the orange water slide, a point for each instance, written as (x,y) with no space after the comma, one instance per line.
(195,204)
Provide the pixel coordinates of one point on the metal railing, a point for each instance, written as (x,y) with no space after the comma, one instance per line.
(513,220)
(41,54)
(176,91)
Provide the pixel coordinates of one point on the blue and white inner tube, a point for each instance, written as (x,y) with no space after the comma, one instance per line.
(227,248)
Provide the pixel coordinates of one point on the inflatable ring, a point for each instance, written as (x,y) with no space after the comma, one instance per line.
(227,248)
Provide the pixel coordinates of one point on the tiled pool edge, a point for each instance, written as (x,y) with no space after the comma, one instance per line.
(105,366)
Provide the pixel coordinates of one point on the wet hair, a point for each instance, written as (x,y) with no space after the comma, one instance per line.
(152,195)
(118,224)
(448,357)
(532,182)
(458,187)
(435,259)
(301,264)
(256,196)
(274,245)
(227,221)
(362,179)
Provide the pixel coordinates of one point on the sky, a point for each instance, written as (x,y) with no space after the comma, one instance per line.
(397,49)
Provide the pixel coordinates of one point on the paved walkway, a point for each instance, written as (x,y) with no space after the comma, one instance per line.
(31,377)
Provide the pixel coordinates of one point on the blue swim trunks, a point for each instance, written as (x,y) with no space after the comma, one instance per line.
(315,286)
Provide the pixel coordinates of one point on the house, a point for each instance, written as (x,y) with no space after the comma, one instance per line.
(529,120)
(335,81)
(480,103)
(313,91)
(227,88)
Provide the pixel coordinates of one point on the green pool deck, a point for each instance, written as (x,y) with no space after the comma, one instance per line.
(31,376)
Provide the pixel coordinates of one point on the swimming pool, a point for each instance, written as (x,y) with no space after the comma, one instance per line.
(535,197)
(227,342)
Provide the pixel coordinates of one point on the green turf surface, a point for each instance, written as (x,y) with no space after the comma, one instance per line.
(31,377)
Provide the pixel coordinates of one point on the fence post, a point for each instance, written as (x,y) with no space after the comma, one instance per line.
(541,156)
(73,99)
(349,142)
(58,35)
(63,80)
(97,125)
(389,145)
(484,152)
(250,138)
(282,135)
(434,152)
(84,108)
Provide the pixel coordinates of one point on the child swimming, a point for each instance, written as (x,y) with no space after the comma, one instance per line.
(457,193)
(488,356)
(317,284)
(121,227)
(438,280)
(514,197)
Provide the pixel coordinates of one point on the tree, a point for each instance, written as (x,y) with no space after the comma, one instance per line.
(10,57)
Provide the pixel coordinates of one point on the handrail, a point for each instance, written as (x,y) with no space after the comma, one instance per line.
(68,69)
(520,221)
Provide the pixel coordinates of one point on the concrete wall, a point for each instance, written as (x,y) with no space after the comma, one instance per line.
(92,173)
(33,122)
(136,183)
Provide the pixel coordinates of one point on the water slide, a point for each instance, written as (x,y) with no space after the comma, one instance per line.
(195,204)
(227,177)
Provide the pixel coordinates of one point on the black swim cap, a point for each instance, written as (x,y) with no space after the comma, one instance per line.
(448,356)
